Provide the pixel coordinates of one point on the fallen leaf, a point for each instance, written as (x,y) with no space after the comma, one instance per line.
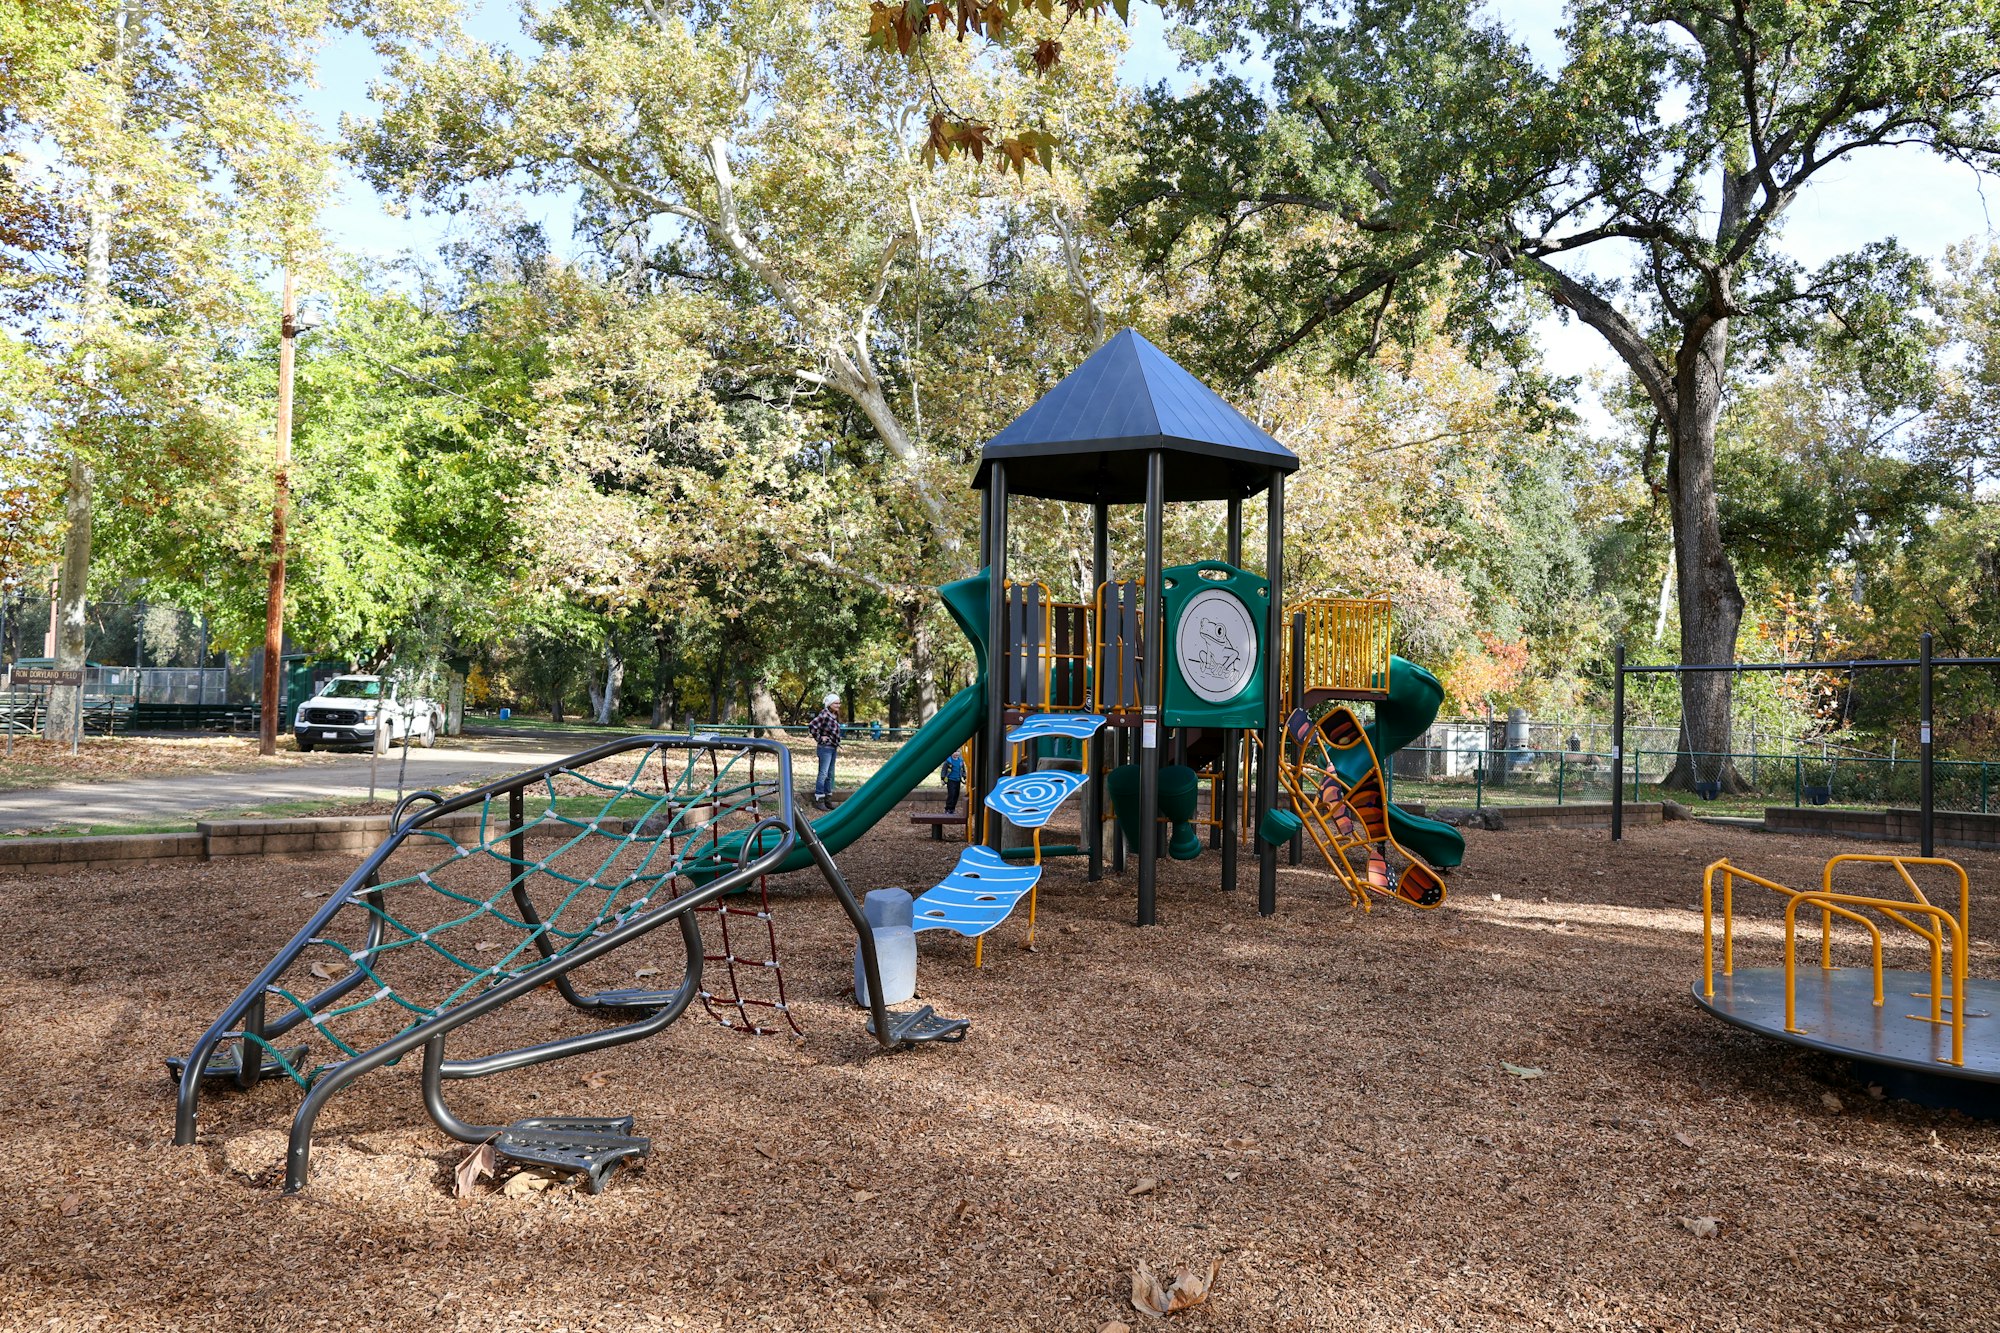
(1831,1103)
(597,1080)
(523,1183)
(863,1196)
(964,1209)
(1496,897)
(322,971)
(70,1206)
(1148,1296)
(764,1152)
(484,946)
(645,972)
(314,893)
(478,1164)
(1188,1290)
(1875,1091)
(1521,1071)
(1146,1185)
(1114,1326)
(1241,1142)
(1232,1176)
(1685,1139)
(1703,1228)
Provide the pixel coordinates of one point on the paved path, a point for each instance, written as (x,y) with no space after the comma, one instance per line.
(158,800)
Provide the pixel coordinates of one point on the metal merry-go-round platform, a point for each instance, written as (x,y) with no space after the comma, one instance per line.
(1895,1046)
(1929,1036)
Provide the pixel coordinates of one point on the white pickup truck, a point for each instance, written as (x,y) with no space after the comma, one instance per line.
(366,710)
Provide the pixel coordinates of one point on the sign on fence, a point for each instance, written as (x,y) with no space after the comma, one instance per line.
(50,676)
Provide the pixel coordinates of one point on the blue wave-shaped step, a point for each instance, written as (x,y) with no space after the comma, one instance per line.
(1072,726)
(979,893)
(1029,800)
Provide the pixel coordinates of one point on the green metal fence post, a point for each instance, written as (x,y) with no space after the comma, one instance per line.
(1982,786)
(1562,766)
(1479,781)
(1798,780)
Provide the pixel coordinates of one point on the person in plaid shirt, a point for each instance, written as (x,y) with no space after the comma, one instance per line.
(825,731)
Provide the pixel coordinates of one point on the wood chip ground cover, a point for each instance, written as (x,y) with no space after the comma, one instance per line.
(1319,1105)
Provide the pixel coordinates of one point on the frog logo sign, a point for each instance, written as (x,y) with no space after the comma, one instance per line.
(1216,645)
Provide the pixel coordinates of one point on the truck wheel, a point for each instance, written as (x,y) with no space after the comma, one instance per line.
(429,737)
(305,747)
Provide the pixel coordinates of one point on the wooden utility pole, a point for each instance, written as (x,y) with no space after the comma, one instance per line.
(274,604)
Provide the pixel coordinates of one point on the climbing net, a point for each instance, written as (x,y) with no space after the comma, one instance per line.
(476,897)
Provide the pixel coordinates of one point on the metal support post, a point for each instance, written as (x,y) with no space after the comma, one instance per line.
(1153,640)
(998,650)
(1267,768)
(1927,829)
(1618,743)
(1100,574)
(1232,739)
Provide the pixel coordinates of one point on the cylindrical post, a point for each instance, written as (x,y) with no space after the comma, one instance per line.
(1618,743)
(1232,740)
(1267,768)
(1152,639)
(274,599)
(1100,574)
(1297,851)
(1926,829)
(998,651)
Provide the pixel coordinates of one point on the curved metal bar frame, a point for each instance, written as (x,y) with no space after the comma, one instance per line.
(243,1017)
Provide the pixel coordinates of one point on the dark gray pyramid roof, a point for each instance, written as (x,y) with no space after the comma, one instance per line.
(1088,437)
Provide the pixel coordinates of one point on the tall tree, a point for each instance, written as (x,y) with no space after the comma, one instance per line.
(169,144)
(1410,162)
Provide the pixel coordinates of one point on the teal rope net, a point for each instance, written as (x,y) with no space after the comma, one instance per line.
(592,849)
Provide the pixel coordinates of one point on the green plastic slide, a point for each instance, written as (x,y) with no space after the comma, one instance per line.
(1412,705)
(916,758)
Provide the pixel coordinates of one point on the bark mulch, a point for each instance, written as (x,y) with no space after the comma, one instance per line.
(1320,1103)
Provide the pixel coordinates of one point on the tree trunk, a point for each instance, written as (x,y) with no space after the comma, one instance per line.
(663,677)
(605,700)
(764,709)
(454,697)
(1711,603)
(72,584)
(922,666)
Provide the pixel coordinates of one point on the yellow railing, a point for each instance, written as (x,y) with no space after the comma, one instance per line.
(1346,647)
(1946,934)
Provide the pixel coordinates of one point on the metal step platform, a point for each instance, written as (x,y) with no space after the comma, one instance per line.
(635,997)
(229,1063)
(590,1146)
(923,1025)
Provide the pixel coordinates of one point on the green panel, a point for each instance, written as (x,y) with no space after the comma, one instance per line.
(1215,667)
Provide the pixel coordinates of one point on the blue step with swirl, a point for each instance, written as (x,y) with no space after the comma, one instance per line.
(1029,800)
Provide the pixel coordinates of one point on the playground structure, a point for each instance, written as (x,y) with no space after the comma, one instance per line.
(565,865)
(1947,1053)
(1181,675)
(573,861)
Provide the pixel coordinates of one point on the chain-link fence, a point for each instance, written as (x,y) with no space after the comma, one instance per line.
(1479,777)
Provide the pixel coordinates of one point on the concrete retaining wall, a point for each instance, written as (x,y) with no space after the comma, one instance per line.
(352,835)
(1951,828)
(1585,814)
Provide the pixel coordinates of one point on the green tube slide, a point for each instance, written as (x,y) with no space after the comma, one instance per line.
(1412,705)
(916,758)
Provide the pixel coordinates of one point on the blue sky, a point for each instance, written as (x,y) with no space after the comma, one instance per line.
(1926,202)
